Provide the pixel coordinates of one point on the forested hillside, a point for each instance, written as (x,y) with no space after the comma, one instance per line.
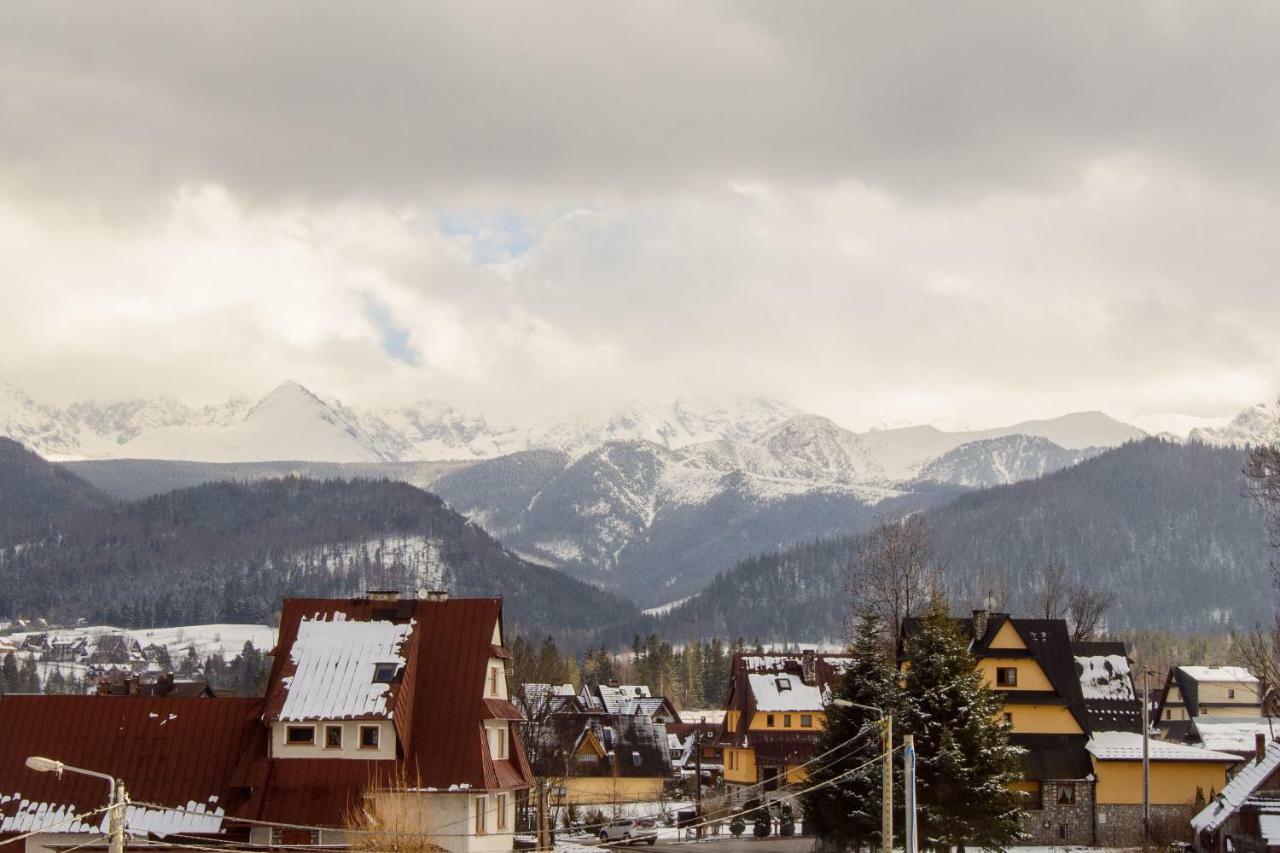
(229,552)
(36,498)
(1166,526)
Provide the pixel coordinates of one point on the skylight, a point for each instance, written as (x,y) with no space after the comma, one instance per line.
(784,683)
(384,673)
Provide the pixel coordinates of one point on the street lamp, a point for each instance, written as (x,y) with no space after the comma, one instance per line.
(886,796)
(116,798)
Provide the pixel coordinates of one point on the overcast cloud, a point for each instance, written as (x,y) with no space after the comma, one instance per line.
(899,212)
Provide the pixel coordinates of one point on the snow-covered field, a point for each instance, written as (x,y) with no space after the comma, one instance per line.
(225,639)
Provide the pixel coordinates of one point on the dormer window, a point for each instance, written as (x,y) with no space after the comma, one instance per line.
(783,684)
(385,673)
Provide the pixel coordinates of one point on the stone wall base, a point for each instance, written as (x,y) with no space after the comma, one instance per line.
(1120,825)
(1061,825)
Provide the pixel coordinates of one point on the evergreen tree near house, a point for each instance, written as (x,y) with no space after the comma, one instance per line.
(846,813)
(965,764)
(9,675)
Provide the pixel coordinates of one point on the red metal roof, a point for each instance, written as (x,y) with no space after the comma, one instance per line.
(168,751)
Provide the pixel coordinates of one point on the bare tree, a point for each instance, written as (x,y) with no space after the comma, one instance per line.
(1086,608)
(894,571)
(1259,650)
(1055,585)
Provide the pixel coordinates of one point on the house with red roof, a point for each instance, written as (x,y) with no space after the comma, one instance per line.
(382,715)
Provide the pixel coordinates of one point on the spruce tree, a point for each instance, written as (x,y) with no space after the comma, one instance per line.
(9,679)
(965,764)
(846,814)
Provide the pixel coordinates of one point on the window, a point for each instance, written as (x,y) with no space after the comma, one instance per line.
(300,735)
(783,684)
(482,818)
(384,673)
(369,736)
(768,720)
(1008,718)
(333,737)
(502,812)
(806,721)
(1066,793)
(1168,715)
(1231,694)
(1062,831)
(1007,676)
(498,742)
(635,758)
(493,680)
(786,721)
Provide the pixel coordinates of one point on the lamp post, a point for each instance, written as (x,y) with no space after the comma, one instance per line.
(116,797)
(886,796)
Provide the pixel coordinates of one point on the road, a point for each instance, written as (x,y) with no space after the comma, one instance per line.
(745,844)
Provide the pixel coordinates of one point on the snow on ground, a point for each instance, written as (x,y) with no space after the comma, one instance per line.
(663,609)
(225,639)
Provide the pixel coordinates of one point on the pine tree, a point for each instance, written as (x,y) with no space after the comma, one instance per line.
(28,677)
(965,764)
(9,675)
(846,814)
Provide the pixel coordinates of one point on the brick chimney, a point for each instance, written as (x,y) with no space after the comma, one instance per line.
(1260,747)
(980,624)
(809,660)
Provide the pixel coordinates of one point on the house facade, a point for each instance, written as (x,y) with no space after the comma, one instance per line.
(381,715)
(1072,710)
(775,711)
(1245,815)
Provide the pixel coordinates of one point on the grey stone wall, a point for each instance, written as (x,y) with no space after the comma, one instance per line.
(1057,825)
(1121,825)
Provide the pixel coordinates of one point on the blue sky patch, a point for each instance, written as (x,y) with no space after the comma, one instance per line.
(394,338)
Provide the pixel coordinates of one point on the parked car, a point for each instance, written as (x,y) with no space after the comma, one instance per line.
(630,830)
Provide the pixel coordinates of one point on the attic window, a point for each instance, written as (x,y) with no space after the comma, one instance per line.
(635,758)
(384,673)
(784,684)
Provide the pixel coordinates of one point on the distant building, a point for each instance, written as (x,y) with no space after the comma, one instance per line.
(775,711)
(375,705)
(1192,692)
(1245,815)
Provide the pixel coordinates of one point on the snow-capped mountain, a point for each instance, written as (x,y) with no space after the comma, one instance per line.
(1258,424)
(1003,460)
(44,429)
(288,423)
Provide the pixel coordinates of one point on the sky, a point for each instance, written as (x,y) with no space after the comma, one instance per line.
(887,213)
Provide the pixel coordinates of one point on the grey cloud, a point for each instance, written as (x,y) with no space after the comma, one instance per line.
(402,100)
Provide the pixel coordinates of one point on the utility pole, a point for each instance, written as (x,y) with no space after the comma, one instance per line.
(697,783)
(909,792)
(1146,759)
(115,818)
(886,796)
(544,831)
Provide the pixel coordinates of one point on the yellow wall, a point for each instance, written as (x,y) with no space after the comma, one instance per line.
(602,790)
(742,768)
(1172,782)
(760,722)
(797,776)
(1043,719)
(731,720)
(1007,638)
(1030,675)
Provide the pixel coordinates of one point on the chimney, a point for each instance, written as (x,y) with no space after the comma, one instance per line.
(382,594)
(979,624)
(1259,747)
(809,660)
(612,682)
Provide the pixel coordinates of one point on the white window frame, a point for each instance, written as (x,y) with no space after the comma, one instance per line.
(333,728)
(377,730)
(482,815)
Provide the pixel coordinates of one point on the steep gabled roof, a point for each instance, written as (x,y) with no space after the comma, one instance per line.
(1048,643)
(1247,780)
(174,752)
(1106,682)
(754,686)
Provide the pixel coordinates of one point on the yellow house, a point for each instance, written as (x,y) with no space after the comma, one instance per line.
(1192,692)
(1072,709)
(774,713)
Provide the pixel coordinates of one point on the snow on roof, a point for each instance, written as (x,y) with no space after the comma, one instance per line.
(614,697)
(1232,734)
(198,818)
(1219,673)
(1235,792)
(784,692)
(334,668)
(1105,677)
(1127,746)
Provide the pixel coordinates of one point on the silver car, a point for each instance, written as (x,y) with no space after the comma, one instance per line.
(630,830)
